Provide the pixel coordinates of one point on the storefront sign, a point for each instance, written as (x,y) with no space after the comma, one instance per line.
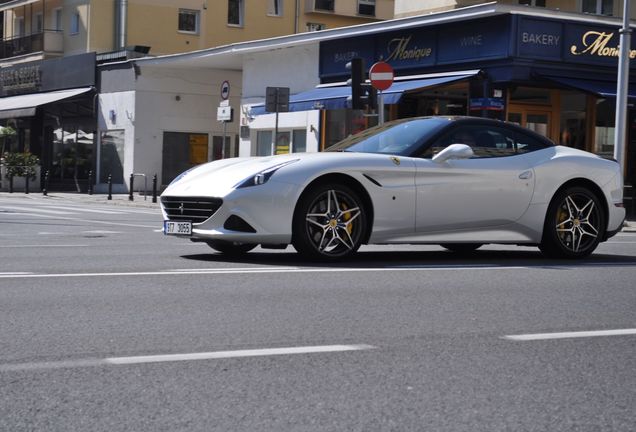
(600,44)
(540,39)
(489,104)
(48,75)
(21,78)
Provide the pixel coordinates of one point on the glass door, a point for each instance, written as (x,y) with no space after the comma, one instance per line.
(537,121)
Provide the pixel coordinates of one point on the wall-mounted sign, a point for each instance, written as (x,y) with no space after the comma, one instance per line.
(489,104)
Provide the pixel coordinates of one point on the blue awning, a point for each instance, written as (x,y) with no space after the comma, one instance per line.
(336,97)
(605,89)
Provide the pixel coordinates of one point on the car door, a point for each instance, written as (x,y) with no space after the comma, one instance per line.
(493,188)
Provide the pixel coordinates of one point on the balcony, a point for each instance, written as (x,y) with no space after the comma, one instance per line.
(47,42)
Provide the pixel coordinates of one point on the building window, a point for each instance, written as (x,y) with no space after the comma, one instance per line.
(326,5)
(264,143)
(111,156)
(18,27)
(275,8)
(75,23)
(299,141)
(39,22)
(536,3)
(235,12)
(366,7)
(315,27)
(189,21)
(57,19)
(598,7)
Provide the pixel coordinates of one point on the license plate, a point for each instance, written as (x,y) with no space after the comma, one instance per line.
(177,228)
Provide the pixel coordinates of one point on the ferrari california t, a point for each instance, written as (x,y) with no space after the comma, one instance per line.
(460,182)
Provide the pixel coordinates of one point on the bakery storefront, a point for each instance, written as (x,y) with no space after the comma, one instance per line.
(51,106)
(555,75)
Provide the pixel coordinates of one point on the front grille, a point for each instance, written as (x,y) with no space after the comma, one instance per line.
(195,209)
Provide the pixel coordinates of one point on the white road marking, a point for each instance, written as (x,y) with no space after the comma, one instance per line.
(83,209)
(37,210)
(213,355)
(568,335)
(43,246)
(236,354)
(15,273)
(258,271)
(87,220)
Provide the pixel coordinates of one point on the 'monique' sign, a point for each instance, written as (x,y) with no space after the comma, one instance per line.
(596,43)
(400,49)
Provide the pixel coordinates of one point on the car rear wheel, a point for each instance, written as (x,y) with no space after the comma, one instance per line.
(330,222)
(230,248)
(461,247)
(574,225)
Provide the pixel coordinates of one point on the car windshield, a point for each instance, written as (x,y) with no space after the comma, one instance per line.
(400,137)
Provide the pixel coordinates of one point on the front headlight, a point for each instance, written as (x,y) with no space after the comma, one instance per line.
(263,176)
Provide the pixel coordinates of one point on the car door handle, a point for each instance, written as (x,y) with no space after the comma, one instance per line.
(525,175)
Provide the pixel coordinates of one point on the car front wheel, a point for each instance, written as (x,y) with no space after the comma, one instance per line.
(330,222)
(574,225)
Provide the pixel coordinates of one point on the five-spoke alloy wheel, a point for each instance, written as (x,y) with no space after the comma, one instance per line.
(330,222)
(575,224)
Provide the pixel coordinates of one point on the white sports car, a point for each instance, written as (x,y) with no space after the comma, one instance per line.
(460,182)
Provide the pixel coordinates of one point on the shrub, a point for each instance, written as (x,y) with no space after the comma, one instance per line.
(20,164)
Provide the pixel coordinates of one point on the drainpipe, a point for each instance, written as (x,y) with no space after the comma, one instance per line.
(121,24)
(297,15)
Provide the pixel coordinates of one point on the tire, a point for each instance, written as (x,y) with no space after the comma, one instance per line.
(231,248)
(574,224)
(330,223)
(461,247)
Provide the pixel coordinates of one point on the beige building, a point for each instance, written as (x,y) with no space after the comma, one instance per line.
(614,8)
(41,29)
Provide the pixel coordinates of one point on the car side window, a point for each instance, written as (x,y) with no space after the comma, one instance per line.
(527,143)
(486,141)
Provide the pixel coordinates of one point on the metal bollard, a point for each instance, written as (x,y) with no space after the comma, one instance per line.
(45,190)
(26,184)
(132,181)
(10,184)
(154,188)
(110,187)
(90,182)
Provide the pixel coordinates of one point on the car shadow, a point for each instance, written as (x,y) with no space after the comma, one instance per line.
(428,258)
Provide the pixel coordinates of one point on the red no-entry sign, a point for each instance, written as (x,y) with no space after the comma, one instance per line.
(381,75)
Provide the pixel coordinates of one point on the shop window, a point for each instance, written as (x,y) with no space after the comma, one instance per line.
(342,123)
(264,143)
(218,152)
(75,24)
(189,21)
(111,156)
(366,7)
(275,8)
(235,12)
(299,141)
(72,153)
(182,151)
(598,7)
(530,95)
(604,128)
(573,125)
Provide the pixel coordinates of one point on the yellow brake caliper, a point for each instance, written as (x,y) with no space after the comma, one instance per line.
(346,217)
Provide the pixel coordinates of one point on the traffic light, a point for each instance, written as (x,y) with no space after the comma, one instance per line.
(357,83)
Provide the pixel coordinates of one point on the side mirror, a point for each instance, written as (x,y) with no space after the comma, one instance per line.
(454,151)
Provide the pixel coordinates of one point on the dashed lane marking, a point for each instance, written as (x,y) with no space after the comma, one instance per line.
(570,335)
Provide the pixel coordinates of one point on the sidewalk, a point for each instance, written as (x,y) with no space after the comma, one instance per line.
(118,199)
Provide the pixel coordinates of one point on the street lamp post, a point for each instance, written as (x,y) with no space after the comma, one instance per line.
(621,89)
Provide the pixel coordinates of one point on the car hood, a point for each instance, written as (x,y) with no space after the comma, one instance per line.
(221,176)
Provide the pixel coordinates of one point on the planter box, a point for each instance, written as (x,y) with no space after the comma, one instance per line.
(19,183)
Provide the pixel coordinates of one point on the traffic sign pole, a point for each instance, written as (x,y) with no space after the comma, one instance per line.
(380,107)
(381,75)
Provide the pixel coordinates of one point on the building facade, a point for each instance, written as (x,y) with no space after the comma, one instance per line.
(40,35)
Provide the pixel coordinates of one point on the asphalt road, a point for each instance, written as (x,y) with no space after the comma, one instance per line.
(106,325)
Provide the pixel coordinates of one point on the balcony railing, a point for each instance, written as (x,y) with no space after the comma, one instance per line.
(49,41)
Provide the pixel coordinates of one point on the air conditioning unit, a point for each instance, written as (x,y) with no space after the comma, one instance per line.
(315,27)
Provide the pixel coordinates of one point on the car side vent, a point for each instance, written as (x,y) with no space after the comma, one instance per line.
(235,223)
(195,209)
(372,180)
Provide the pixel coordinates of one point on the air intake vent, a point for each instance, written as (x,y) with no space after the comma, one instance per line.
(235,223)
(195,209)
